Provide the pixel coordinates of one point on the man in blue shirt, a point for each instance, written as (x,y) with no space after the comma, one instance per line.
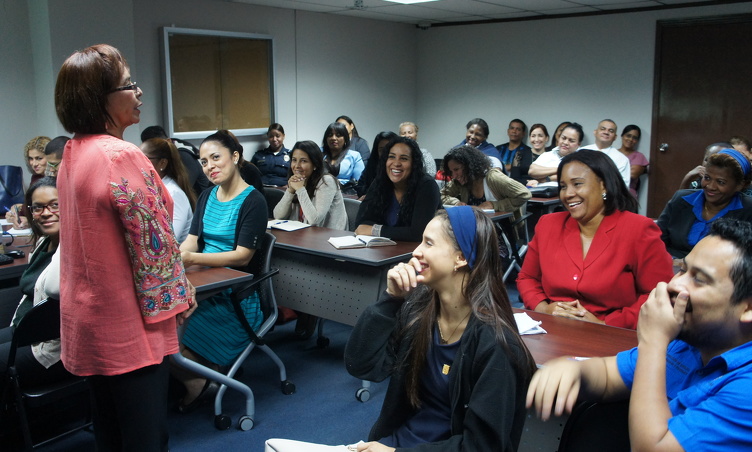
(690,376)
(516,133)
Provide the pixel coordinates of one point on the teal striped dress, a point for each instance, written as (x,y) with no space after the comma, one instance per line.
(214,330)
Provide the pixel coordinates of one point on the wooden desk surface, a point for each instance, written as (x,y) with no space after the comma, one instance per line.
(544,201)
(212,279)
(17,267)
(567,337)
(313,240)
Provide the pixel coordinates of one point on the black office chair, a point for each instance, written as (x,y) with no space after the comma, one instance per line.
(514,234)
(351,207)
(272,195)
(40,324)
(260,267)
(597,426)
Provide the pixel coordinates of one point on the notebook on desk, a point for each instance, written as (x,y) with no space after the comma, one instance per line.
(359,241)
(286,225)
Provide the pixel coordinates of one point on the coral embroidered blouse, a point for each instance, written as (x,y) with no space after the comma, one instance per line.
(122,281)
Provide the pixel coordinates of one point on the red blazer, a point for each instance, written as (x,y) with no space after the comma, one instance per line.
(626,260)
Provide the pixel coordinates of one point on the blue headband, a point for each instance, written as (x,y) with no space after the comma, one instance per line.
(462,219)
(743,161)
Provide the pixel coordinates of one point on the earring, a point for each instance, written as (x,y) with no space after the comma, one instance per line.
(604,196)
(235,162)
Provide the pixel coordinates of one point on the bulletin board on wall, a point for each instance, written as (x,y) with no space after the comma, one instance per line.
(217,80)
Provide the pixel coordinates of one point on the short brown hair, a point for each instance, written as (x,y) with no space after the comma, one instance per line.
(84,81)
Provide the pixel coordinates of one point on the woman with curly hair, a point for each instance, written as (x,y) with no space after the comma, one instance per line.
(403,198)
(475,183)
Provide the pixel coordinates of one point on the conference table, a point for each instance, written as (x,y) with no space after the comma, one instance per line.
(318,279)
(573,338)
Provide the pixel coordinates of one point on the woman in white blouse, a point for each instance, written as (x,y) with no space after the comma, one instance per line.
(313,195)
(165,158)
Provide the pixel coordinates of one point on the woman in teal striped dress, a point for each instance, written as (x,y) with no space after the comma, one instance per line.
(228,226)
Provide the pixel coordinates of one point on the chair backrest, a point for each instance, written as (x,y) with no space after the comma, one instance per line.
(41,323)
(597,427)
(260,264)
(272,195)
(351,207)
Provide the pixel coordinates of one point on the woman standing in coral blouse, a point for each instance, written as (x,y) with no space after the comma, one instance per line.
(122,281)
(598,261)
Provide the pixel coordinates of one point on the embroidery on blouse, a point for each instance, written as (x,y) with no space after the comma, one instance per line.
(158,271)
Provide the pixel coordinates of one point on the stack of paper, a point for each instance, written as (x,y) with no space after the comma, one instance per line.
(286,225)
(526,325)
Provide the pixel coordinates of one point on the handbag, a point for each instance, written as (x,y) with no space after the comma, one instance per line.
(11,186)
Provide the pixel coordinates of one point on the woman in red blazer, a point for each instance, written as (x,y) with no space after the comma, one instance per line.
(598,261)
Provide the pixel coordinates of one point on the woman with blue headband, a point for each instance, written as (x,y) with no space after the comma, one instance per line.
(445,334)
(687,217)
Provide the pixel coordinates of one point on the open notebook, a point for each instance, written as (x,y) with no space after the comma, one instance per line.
(359,241)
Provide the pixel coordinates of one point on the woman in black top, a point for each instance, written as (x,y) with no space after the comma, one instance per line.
(403,198)
(274,161)
(369,174)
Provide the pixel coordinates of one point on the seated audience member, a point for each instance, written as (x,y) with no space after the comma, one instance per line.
(557,134)
(36,163)
(410,130)
(341,161)
(369,173)
(165,158)
(598,261)
(742,145)
(476,134)
(508,151)
(688,379)
(357,143)
(403,198)
(39,363)
(188,155)
(694,177)
(228,226)
(54,154)
(273,161)
(313,195)
(687,217)
(35,159)
(638,164)
(444,335)
(545,167)
(475,183)
(605,135)
(525,157)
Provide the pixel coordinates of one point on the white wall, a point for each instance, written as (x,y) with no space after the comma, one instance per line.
(378,73)
(325,65)
(579,69)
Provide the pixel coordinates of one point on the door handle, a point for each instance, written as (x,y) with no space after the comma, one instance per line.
(663,147)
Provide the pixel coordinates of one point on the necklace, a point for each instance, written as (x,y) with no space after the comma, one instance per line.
(441,334)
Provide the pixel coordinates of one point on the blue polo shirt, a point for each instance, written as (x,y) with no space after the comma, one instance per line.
(712,404)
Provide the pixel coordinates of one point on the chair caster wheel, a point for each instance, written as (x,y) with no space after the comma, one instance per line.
(288,387)
(222,422)
(363,395)
(322,342)
(245,423)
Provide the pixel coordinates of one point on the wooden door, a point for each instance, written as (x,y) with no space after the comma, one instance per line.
(702,95)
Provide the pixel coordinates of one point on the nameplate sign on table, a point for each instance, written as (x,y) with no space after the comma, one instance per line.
(359,241)
(286,225)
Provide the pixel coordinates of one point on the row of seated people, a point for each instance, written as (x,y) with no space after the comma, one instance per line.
(461,378)
(585,178)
